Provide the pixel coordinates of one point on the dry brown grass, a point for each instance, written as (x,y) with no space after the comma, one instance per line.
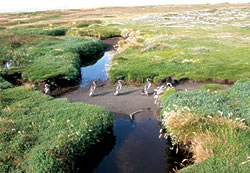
(130,40)
(191,129)
(106,14)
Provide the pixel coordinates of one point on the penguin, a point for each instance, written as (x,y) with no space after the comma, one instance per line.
(118,87)
(147,86)
(47,89)
(92,88)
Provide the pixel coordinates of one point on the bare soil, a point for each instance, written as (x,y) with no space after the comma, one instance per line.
(128,101)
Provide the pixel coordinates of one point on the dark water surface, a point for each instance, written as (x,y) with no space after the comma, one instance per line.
(134,146)
(137,150)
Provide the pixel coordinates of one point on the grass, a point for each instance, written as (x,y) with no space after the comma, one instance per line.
(178,41)
(212,87)
(219,142)
(44,30)
(38,57)
(165,55)
(196,51)
(4,84)
(101,32)
(62,54)
(42,134)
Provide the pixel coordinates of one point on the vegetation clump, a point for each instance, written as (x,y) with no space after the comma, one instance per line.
(63,54)
(48,58)
(101,32)
(42,134)
(4,84)
(214,125)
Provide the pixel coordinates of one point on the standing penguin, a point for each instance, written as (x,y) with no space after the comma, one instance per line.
(147,86)
(47,89)
(169,82)
(92,88)
(118,87)
(8,64)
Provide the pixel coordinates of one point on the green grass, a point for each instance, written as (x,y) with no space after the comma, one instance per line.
(233,102)
(63,54)
(212,87)
(41,58)
(42,134)
(43,30)
(219,143)
(199,53)
(4,84)
(101,32)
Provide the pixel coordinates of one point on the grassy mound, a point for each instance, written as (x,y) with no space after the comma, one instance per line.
(219,143)
(42,134)
(40,58)
(4,84)
(101,32)
(61,57)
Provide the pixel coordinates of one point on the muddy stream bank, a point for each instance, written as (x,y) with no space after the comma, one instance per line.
(134,145)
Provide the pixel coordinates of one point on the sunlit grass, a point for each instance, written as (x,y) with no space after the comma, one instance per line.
(210,124)
(197,54)
(40,134)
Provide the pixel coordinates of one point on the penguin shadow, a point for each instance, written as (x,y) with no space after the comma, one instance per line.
(128,92)
(103,93)
(149,93)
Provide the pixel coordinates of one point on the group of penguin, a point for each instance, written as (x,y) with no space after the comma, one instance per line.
(93,86)
(119,87)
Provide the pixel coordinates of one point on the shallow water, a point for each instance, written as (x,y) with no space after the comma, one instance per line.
(137,149)
(98,71)
(134,146)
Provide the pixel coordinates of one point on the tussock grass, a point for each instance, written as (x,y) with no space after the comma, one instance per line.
(42,134)
(207,123)
(218,144)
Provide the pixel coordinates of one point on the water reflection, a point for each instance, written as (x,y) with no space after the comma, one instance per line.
(98,71)
(137,149)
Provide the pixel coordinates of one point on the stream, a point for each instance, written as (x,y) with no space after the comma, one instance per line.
(136,147)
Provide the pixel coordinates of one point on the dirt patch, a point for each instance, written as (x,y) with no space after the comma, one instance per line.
(129,100)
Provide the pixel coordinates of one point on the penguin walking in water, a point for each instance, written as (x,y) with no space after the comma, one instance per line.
(47,89)
(147,86)
(92,88)
(118,87)
(8,64)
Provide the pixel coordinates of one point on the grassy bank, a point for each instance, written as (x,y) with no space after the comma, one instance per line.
(4,84)
(208,123)
(186,45)
(42,134)
(41,58)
